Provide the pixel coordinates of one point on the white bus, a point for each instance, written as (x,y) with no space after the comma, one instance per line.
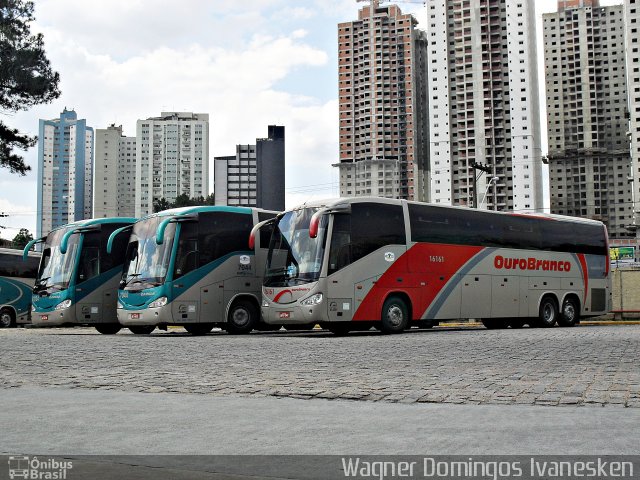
(352,264)
(16,282)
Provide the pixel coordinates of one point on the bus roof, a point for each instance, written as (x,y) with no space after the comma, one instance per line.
(96,221)
(204,208)
(334,202)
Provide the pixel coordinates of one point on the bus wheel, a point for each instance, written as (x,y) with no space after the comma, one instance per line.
(198,328)
(142,329)
(243,317)
(569,315)
(6,318)
(108,328)
(338,328)
(395,315)
(548,312)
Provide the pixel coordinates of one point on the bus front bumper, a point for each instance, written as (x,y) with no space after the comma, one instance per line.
(54,318)
(292,314)
(145,316)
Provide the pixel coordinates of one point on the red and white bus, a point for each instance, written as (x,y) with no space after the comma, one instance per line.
(351,264)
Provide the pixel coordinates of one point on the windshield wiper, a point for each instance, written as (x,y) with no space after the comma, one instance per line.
(124,283)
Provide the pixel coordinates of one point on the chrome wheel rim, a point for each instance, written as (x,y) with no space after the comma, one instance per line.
(5,319)
(548,314)
(569,312)
(240,317)
(395,315)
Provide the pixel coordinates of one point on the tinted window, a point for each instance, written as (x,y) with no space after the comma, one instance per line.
(374,225)
(187,256)
(12,265)
(118,251)
(469,227)
(265,232)
(222,233)
(89,264)
(340,249)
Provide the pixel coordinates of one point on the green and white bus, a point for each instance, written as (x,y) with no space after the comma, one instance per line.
(193,267)
(16,282)
(77,281)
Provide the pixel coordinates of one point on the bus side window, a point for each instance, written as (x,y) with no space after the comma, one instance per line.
(340,249)
(187,257)
(89,263)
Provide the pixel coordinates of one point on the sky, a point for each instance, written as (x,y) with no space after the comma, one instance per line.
(248,64)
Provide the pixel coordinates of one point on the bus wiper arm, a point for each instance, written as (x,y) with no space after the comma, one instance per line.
(133,277)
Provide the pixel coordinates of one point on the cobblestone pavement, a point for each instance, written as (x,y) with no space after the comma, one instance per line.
(587,365)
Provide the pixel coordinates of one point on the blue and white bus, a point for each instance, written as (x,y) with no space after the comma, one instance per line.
(193,267)
(77,281)
(16,281)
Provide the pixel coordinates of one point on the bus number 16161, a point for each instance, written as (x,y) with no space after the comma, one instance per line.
(436,259)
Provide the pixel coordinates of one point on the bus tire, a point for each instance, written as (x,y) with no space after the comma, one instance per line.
(7,318)
(198,329)
(142,329)
(108,328)
(570,312)
(395,316)
(242,318)
(548,312)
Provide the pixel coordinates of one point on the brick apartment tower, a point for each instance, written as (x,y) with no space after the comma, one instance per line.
(586,88)
(384,136)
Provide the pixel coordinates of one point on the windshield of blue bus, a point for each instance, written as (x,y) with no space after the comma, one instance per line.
(56,269)
(294,257)
(147,263)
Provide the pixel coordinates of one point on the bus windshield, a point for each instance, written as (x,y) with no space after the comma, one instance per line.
(147,263)
(56,269)
(294,258)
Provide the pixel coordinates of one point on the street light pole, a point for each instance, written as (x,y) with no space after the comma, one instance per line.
(483,169)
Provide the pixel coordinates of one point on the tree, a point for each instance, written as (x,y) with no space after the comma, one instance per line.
(160,205)
(22,238)
(26,78)
(182,200)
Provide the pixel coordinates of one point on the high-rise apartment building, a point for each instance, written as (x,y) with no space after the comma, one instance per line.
(172,158)
(255,176)
(586,88)
(65,166)
(384,141)
(115,174)
(632,20)
(483,104)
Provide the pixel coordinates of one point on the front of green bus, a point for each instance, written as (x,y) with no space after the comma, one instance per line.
(294,289)
(145,288)
(75,274)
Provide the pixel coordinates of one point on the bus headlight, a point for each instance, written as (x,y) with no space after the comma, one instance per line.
(312,300)
(64,304)
(265,303)
(120,305)
(158,302)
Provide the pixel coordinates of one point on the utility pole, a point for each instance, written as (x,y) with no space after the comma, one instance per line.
(483,169)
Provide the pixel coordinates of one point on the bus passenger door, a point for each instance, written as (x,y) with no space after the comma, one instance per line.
(340,282)
(505,296)
(476,290)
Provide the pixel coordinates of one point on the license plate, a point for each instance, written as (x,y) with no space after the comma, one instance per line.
(44,318)
(135,316)
(284,314)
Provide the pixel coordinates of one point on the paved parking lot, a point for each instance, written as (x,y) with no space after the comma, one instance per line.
(587,365)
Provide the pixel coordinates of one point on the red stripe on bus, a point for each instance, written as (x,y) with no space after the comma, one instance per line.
(585,276)
(431,264)
(279,295)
